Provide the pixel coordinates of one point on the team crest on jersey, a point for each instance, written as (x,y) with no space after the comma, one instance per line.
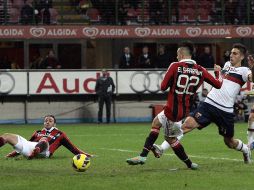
(198,115)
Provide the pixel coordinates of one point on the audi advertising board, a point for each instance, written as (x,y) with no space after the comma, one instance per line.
(83,82)
(64,82)
(130,82)
(13,83)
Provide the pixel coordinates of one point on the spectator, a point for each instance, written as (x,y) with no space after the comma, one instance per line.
(27,13)
(156,11)
(104,88)
(45,6)
(163,59)
(229,12)
(206,59)
(145,59)
(50,62)
(14,65)
(240,12)
(216,12)
(127,59)
(252,12)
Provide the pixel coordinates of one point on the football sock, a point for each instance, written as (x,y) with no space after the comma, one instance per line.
(150,140)
(241,146)
(165,145)
(2,141)
(180,153)
(250,132)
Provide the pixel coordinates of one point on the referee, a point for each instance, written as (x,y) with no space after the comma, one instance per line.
(104,88)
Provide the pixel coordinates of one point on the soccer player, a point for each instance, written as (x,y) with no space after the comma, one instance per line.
(250,130)
(218,106)
(43,143)
(183,78)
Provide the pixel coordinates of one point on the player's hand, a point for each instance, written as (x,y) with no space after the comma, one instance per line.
(250,59)
(217,67)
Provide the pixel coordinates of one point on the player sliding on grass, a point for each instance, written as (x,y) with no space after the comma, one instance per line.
(43,143)
(183,78)
(218,106)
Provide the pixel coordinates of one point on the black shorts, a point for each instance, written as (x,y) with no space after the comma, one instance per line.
(207,113)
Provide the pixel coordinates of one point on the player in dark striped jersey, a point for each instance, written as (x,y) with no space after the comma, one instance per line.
(218,105)
(183,78)
(43,143)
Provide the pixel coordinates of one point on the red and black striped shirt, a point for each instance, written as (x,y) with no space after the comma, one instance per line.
(55,138)
(184,78)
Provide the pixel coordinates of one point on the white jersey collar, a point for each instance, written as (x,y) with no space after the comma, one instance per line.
(188,61)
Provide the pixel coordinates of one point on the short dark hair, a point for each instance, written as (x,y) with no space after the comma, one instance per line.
(241,47)
(50,116)
(188,45)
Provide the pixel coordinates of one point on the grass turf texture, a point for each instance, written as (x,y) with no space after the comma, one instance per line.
(220,167)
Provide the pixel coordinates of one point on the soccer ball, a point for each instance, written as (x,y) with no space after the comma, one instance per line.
(80,162)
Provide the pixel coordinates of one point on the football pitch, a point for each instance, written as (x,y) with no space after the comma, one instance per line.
(219,167)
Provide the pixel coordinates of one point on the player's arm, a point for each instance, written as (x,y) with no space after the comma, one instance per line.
(33,136)
(215,82)
(165,84)
(65,141)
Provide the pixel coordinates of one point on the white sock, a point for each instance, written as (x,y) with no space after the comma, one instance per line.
(165,146)
(250,134)
(241,146)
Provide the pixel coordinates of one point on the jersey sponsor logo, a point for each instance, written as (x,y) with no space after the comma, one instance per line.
(7,83)
(141,81)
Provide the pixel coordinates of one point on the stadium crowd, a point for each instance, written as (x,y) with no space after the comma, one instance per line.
(128,12)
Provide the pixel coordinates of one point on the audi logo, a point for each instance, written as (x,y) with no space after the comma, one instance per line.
(7,83)
(141,81)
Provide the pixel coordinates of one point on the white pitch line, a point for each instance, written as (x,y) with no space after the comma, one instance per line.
(193,156)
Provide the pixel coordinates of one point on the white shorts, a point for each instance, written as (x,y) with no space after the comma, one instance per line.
(26,147)
(171,129)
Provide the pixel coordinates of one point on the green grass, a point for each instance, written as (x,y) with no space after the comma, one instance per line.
(220,167)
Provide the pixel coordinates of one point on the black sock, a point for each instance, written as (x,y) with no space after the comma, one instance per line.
(149,142)
(179,151)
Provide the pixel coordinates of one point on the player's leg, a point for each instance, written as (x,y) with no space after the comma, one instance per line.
(40,147)
(225,123)
(152,137)
(250,131)
(189,124)
(180,152)
(158,150)
(9,138)
(239,146)
(100,104)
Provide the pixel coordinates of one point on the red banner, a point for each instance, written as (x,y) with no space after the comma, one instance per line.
(54,32)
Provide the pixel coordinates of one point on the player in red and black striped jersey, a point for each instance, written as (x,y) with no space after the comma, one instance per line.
(43,143)
(183,78)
